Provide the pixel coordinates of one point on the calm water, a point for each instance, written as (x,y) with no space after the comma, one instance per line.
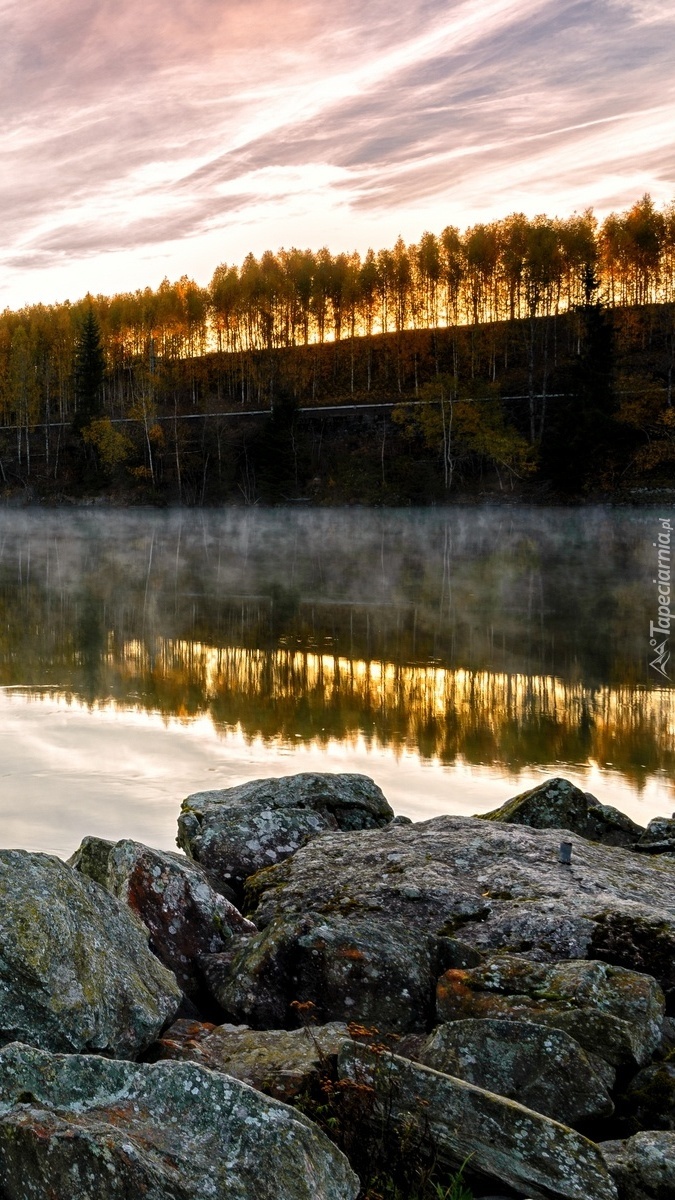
(457,656)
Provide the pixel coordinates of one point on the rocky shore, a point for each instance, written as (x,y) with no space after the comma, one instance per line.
(318,1000)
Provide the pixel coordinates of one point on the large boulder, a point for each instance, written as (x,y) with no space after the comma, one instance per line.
(558,804)
(83,1126)
(614,1013)
(543,1068)
(658,837)
(281,1062)
(504,1141)
(173,898)
(239,830)
(487,885)
(341,966)
(76,972)
(643,1166)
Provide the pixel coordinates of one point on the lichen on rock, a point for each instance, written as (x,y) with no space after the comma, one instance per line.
(541,1067)
(506,1142)
(83,1126)
(237,831)
(614,1013)
(185,917)
(76,972)
(559,804)
(281,1062)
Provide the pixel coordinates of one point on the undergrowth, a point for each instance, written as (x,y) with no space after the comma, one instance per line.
(393,1161)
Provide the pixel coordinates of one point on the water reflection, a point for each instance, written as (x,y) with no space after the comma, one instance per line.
(507,638)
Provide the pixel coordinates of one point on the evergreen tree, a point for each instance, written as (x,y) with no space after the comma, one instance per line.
(582,433)
(89,372)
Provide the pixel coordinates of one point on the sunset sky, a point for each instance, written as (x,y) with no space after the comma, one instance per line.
(142,138)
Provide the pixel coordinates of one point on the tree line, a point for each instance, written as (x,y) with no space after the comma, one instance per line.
(107,383)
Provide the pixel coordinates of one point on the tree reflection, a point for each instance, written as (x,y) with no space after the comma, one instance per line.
(491,637)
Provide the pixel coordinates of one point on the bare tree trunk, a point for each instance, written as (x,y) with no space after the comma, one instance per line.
(175,442)
(447,441)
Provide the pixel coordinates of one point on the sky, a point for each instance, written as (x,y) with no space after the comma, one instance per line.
(142,139)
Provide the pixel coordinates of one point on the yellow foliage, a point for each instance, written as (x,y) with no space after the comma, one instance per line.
(468,426)
(111,446)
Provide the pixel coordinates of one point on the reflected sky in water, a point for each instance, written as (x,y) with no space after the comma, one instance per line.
(68,770)
(457,656)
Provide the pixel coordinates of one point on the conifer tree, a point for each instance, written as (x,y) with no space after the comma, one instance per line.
(89,371)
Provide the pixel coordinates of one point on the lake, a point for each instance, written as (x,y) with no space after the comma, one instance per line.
(457,656)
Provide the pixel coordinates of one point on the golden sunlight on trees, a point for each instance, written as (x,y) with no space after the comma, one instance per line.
(498,313)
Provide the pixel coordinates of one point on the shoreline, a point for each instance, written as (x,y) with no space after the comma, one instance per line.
(485,1000)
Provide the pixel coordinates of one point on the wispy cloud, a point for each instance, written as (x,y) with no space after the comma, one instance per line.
(141,139)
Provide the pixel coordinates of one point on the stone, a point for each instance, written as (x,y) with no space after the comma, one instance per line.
(489,885)
(281,1062)
(558,804)
(76,972)
(341,965)
(239,830)
(643,1166)
(543,1068)
(173,898)
(86,1127)
(658,837)
(614,1013)
(650,1097)
(507,1143)
(91,858)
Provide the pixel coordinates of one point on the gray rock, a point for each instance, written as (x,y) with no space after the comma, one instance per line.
(614,1013)
(341,965)
(542,1068)
(76,972)
(490,885)
(650,1097)
(558,804)
(506,1142)
(281,1062)
(175,901)
(85,1127)
(239,830)
(643,1166)
(91,858)
(658,837)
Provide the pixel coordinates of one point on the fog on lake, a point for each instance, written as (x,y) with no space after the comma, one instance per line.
(456,655)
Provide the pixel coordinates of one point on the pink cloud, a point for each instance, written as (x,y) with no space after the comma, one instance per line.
(143,139)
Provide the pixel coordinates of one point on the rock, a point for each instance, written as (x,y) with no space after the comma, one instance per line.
(91,858)
(505,1141)
(488,885)
(76,972)
(614,1013)
(650,1097)
(451,952)
(542,1068)
(341,965)
(658,837)
(84,1126)
(281,1062)
(643,1166)
(175,901)
(558,804)
(235,832)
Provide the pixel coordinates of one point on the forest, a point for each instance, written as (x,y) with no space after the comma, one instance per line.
(524,357)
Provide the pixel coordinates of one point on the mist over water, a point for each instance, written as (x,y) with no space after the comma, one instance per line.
(457,655)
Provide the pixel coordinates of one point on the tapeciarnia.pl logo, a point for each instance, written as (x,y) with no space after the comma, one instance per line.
(659,630)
